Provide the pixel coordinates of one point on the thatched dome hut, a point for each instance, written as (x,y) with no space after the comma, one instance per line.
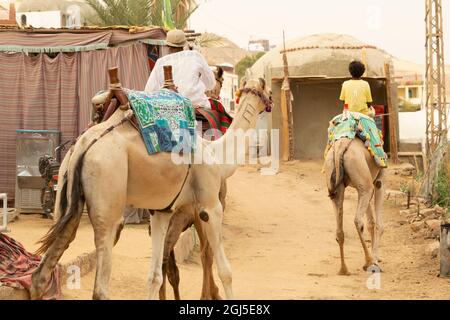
(318,65)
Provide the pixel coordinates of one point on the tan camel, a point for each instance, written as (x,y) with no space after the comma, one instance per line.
(109,169)
(349,163)
(185,218)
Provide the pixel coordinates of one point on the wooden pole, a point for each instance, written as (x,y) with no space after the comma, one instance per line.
(393,116)
(285,124)
(287,114)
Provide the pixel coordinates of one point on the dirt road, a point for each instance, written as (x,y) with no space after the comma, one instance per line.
(280,238)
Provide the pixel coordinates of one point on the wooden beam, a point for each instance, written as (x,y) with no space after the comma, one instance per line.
(287,113)
(393,116)
(285,97)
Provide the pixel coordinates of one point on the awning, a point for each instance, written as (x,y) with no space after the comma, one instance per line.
(64,40)
(60,42)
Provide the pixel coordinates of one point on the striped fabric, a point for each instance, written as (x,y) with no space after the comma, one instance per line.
(217,117)
(39,92)
(134,71)
(153,36)
(17,266)
(74,40)
(60,42)
(36,92)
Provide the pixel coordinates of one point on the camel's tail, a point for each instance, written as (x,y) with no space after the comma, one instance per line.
(337,174)
(71,204)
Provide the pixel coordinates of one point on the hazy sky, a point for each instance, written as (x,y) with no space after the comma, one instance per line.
(394,25)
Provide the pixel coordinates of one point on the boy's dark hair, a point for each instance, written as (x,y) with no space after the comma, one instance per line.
(356,69)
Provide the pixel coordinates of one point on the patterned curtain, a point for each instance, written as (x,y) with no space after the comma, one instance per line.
(36,92)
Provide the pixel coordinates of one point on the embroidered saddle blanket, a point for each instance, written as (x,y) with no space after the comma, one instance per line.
(166,120)
(359,126)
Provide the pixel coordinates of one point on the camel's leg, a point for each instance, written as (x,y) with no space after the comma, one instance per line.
(181,220)
(371,224)
(223,193)
(213,229)
(379,226)
(170,270)
(338,204)
(162,290)
(210,291)
(42,274)
(173,275)
(107,224)
(365,194)
(159,224)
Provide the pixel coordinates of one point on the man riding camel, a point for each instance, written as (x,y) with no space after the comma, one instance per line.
(191,74)
(192,77)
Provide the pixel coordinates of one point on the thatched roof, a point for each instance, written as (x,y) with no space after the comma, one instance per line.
(322,55)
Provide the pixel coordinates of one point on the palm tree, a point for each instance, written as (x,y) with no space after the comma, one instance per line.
(165,13)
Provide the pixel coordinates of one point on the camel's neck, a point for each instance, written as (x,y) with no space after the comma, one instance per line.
(247,115)
(234,144)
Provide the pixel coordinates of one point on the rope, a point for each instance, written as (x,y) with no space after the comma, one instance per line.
(115,86)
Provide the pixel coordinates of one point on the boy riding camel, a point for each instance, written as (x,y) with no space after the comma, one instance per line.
(356,93)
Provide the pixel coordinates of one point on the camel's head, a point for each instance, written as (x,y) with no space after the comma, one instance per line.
(215,93)
(256,89)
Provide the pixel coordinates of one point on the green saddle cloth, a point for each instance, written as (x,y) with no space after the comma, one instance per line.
(359,126)
(166,120)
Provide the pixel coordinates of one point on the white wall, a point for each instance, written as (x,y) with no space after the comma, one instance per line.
(413,126)
(229,87)
(42,19)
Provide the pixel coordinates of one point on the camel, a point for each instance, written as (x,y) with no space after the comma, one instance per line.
(349,163)
(185,218)
(182,220)
(109,168)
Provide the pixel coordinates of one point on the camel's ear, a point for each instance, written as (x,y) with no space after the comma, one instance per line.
(219,72)
(243,82)
(262,84)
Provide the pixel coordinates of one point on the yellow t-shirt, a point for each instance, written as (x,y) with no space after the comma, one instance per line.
(356,93)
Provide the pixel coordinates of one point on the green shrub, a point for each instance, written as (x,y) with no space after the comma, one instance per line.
(442,187)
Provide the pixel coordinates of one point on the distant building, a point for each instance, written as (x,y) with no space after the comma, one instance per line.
(318,65)
(259,45)
(410,90)
(56,14)
(229,87)
(411,86)
(41,19)
(4,11)
(7,13)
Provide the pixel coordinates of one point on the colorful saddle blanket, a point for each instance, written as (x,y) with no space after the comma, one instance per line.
(217,117)
(166,120)
(363,127)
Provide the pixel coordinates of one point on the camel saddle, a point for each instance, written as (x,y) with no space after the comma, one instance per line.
(215,118)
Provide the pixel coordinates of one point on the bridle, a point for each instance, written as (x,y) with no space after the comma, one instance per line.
(268,103)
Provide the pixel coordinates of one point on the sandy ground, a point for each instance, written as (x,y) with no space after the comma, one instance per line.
(279,234)
(28,229)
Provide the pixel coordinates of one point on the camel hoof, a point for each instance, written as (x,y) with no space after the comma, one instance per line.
(34,294)
(217,297)
(343,272)
(99,296)
(211,297)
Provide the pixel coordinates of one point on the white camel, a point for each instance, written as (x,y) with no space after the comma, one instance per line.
(115,171)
